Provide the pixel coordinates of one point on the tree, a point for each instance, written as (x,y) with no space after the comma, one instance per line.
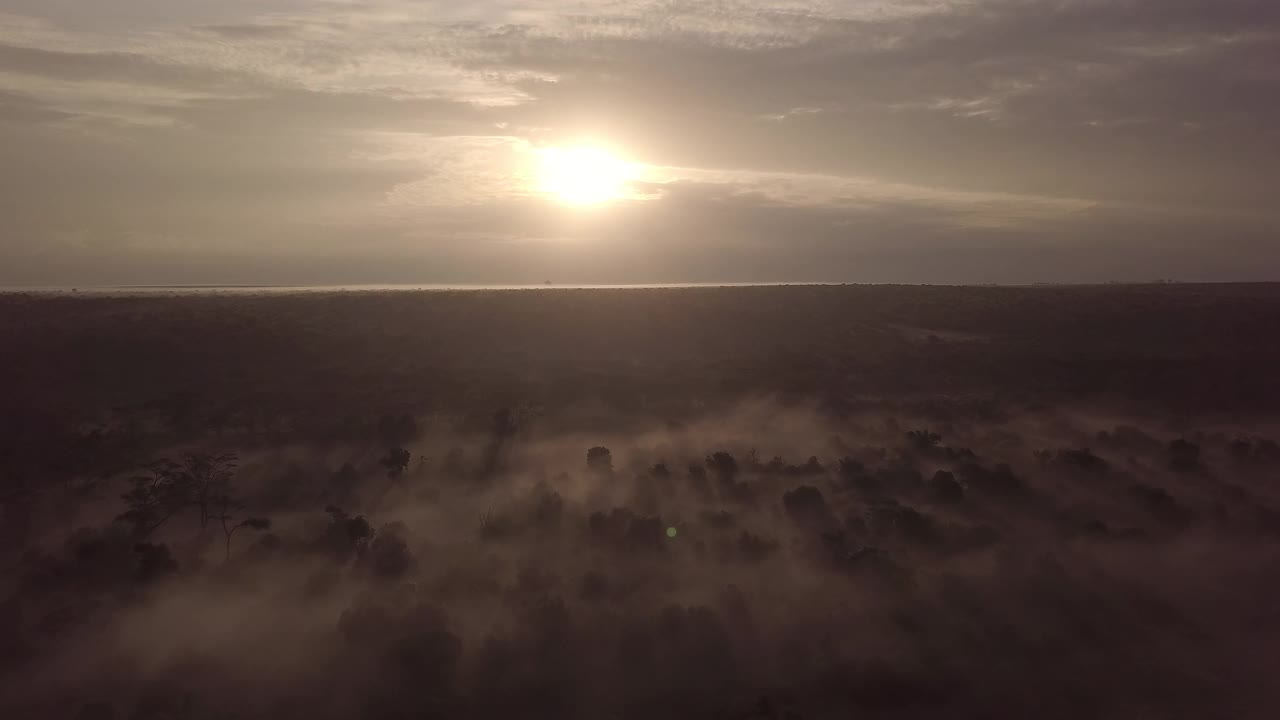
(204,480)
(396,461)
(851,470)
(388,553)
(199,481)
(805,505)
(698,481)
(1081,461)
(945,488)
(345,534)
(723,466)
(168,487)
(155,497)
(923,440)
(344,482)
(253,523)
(224,511)
(600,460)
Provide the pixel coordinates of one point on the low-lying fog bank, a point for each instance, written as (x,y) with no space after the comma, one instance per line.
(768,562)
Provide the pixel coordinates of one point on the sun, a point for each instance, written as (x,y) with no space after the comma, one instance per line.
(582,175)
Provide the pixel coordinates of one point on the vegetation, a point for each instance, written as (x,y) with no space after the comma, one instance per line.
(555,504)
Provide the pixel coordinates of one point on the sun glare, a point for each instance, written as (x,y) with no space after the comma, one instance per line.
(582,175)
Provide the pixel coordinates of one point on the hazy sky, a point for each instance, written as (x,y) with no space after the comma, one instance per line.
(318,141)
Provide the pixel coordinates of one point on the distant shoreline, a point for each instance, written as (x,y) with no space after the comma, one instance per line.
(407,287)
(473,287)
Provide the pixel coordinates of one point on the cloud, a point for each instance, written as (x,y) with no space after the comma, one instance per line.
(251,31)
(260,120)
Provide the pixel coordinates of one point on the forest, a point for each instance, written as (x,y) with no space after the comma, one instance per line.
(798,502)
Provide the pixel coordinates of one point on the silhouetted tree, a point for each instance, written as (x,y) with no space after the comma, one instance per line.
(806,505)
(547,507)
(944,487)
(229,528)
(1128,438)
(1160,503)
(999,480)
(396,461)
(718,519)
(923,440)
(698,481)
(1081,461)
(199,481)
(505,423)
(345,534)
(344,481)
(600,461)
(1254,451)
(223,508)
(892,519)
(723,466)
(810,468)
(853,474)
(388,554)
(409,645)
(209,479)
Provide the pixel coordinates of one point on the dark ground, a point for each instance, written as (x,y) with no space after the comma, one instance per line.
(1188,348)
(816,502)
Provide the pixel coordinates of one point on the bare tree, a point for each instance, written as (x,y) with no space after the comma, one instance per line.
(253,523)
(209,477)
(199,481)
(225,508)
(155,496)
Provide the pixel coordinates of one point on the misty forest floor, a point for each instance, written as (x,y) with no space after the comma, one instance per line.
(754,502)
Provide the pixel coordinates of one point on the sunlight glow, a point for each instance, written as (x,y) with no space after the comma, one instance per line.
(582,175)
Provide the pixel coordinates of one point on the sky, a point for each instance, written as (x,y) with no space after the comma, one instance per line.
(407,141)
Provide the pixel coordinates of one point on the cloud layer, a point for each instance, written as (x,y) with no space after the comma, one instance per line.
(392,140)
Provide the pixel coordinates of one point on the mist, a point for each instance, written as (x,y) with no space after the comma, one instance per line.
(766,554)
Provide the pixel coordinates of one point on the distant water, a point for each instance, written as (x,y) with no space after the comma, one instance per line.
(254,289)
